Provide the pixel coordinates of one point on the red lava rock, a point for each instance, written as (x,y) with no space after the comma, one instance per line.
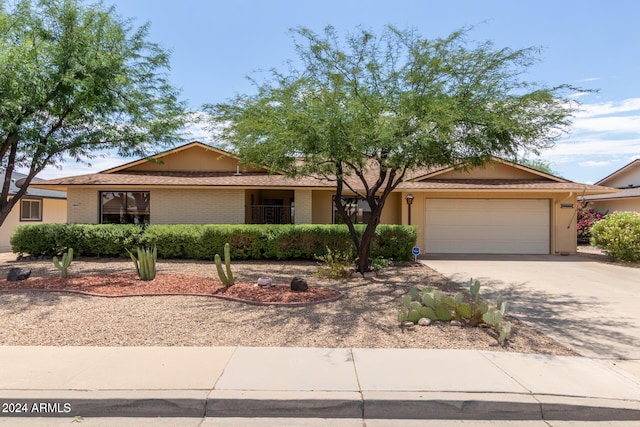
(122,284)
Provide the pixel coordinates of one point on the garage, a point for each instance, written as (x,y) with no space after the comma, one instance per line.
(487,226)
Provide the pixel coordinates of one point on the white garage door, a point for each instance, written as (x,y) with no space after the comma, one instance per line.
(487,226)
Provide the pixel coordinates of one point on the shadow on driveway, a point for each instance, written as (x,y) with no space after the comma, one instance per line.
(574,321)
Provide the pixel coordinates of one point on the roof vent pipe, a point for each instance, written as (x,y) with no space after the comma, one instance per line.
(237,171)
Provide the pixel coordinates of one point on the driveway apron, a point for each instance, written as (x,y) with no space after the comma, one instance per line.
(582,301)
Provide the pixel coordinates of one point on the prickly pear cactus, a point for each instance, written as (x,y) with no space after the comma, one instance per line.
(443,313)
(413,316)
(427,300)
(504,332)
(463,310)
(428,313)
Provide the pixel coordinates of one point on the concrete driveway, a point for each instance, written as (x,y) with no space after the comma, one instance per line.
(582,301)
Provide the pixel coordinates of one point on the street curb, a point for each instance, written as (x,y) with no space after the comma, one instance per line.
(321,404)
(297,404)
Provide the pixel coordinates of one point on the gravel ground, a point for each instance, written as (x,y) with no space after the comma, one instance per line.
(364,318)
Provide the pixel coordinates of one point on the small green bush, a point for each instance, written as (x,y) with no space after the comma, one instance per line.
(85,239)
(194,241)
(336,264)
(619,236)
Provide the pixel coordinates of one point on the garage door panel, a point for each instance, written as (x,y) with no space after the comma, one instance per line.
(487,226)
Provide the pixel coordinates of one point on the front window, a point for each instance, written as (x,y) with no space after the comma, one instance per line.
(124,207)
(30,210)
(357,209)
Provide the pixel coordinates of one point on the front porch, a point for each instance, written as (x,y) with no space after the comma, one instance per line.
(270,206)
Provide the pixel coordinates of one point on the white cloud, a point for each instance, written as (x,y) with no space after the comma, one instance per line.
(579,94)
(611,124)
(197,132)
(600,130)
(198,127)
(594,163)
(596,147)
(607,108)
(590,79)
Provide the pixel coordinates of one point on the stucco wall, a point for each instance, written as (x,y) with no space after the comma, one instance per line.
(392,211)
(193,159)
(322,207)
(53,211)
(610,206)
(490,171)
(303,207)
(623,179)
(564,234)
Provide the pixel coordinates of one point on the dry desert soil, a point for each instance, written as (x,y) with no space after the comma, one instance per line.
(188,306)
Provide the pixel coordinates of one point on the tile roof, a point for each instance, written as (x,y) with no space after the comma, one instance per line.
(226,179)
(502,184)
(179,179)
(622,193)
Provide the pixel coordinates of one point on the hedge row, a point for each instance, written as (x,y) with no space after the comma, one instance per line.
(204,241)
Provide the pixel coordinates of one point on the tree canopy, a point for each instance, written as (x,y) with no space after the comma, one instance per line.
(74,80)
(388,104)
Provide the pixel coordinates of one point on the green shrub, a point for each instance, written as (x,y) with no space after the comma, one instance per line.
(380,263)
(394,241)
(189,241)
(336,264)
(171,241)
(85,239)
(619,236)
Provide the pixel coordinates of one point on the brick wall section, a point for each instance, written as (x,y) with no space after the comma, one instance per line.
(168,206)
(304,207)
(82,206)
(215,206)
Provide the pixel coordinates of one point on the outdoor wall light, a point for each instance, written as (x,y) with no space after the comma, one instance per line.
(409,198)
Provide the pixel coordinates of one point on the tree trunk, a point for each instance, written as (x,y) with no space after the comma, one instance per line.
(364,250)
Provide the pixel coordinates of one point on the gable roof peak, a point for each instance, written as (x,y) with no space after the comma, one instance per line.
(632,164)
(170,151)
(494,159)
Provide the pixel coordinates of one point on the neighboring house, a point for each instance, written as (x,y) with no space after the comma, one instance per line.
(499,208)
(627,180)
(36,206)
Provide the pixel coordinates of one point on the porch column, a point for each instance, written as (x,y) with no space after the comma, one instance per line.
(303,206)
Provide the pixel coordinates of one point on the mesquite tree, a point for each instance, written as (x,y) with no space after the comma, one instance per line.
(366,110)
(75,80)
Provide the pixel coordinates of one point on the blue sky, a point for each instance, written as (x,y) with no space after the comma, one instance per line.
(591,44)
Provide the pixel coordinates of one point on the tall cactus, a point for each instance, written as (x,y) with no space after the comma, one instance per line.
(145,262)
(226,279)
(66,262)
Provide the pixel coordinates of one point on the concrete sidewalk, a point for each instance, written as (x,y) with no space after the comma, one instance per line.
(222,382)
